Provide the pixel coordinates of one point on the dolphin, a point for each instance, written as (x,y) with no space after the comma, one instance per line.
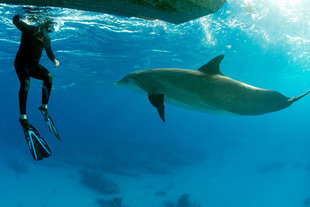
(205,89)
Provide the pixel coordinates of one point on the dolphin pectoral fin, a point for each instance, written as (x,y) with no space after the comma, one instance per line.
(161,112)
(157,100)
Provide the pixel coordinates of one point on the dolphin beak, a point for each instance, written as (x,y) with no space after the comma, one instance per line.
(120,82)
(117,83)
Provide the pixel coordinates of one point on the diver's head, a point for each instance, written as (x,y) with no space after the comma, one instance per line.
(47,26)
(43,29)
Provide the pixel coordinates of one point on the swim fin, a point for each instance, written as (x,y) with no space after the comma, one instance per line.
(37,145)
(49,121)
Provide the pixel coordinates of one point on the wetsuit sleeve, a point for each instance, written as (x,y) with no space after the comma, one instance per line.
(22,26)
(49,50)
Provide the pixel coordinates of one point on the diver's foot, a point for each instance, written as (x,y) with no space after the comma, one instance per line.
(49,121)
(25,124)
(44,112)
(37,145)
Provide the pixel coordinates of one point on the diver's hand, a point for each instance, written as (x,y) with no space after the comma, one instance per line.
(56,62)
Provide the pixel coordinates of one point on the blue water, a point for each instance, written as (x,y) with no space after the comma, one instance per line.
(114,143)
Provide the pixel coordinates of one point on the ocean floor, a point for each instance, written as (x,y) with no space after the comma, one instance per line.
(26,183)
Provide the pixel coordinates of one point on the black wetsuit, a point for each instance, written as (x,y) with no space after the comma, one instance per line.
(33,41)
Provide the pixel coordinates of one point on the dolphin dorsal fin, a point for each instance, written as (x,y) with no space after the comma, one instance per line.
(213,67)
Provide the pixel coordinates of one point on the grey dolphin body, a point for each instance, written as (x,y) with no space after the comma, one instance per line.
(205,89)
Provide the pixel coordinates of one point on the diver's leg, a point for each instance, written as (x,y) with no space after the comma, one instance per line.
(42,73)
(23,76)
(46,90)
(23,94)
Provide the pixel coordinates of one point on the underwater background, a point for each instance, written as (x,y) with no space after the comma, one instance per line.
(115,150)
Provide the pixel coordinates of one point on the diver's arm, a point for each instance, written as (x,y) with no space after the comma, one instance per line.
(49,50)
(22,26)
(50,53)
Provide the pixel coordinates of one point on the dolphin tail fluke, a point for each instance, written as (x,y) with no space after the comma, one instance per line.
(292,100)
(157,100)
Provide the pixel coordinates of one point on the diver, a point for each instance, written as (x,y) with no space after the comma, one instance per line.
(33,40)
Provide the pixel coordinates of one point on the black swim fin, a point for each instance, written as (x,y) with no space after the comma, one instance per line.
(37,145)
(49,122)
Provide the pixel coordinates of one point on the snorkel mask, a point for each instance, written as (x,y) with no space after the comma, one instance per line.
(47,26)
